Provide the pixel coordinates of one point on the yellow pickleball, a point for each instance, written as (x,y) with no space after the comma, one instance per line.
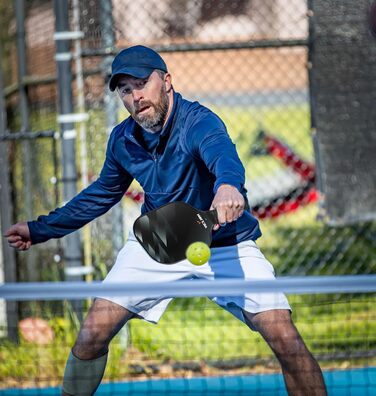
(198,253)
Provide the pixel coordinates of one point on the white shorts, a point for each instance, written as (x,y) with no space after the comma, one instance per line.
(242,261)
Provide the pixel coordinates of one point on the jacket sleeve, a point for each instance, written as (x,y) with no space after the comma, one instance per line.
(89,204)
(208,140)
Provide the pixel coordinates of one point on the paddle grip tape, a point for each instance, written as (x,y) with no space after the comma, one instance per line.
(82,377)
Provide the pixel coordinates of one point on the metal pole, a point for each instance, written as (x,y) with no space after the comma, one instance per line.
(25,126)
(22,69)
(312,100)
(310,55)
(86,232)
(8,271)
(66,118)
(111,109)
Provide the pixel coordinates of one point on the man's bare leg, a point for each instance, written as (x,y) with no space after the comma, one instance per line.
(301,372)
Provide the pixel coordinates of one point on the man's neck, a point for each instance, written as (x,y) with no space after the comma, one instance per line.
(157,130)
(170,107)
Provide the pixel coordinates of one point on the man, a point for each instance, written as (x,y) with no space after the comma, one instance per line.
(178,151)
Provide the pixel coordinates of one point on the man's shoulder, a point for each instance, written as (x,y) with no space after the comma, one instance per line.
(192,106)
(195,112)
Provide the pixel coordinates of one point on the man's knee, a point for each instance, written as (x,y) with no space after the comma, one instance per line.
(103,321)
(89,343)
(93,339)
(279,332)
(289,347)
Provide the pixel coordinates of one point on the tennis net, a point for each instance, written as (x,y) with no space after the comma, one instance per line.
(197,348)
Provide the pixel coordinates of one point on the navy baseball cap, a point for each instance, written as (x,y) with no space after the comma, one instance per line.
(137,61)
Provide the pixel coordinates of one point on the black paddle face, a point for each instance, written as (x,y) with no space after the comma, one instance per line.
(166,232)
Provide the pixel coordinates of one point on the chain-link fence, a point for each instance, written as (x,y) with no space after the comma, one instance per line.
(248,60)
(251,61)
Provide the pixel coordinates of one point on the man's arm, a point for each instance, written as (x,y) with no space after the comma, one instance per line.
(89,204)
(209,140)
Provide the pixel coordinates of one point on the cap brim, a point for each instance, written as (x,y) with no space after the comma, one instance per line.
(138,72)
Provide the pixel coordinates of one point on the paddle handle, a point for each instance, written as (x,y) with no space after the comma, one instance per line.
(212,216)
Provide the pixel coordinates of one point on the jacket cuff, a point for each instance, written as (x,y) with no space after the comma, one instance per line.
(35,235)
(233,183)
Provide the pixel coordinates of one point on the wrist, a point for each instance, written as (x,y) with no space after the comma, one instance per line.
(225,185)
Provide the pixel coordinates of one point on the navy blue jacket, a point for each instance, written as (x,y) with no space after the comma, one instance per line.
(194,156)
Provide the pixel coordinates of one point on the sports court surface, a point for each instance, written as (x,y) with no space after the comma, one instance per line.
(355,382)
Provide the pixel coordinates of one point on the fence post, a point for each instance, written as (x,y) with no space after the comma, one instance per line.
(27,167)
(8,271)
(66,118)
(111,109)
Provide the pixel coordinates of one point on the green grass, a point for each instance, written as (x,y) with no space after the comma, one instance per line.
(194,331)
(204,331)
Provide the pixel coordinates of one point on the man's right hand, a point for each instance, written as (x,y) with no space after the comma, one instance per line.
(18,236)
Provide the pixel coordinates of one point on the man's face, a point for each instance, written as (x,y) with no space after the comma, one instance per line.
(147,100)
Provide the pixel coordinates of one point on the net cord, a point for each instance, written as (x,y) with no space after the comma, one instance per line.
(188,288)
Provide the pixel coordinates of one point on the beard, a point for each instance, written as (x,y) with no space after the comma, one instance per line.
(152,122)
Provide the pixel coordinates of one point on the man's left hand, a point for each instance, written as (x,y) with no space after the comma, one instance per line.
(229,204)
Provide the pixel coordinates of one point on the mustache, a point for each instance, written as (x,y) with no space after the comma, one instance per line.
(142,105)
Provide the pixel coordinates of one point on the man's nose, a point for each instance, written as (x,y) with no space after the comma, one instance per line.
(137,95)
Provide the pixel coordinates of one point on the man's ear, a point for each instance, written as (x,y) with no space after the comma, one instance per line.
(168,82)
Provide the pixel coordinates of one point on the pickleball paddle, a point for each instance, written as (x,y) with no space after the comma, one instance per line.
(166,232)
